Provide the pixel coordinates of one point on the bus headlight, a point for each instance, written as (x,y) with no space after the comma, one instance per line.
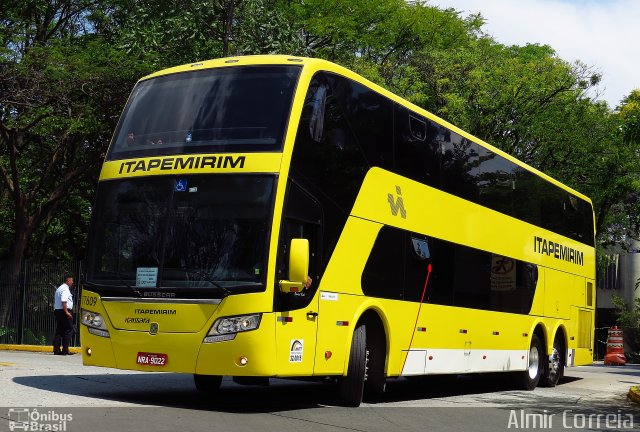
(237,324)
(95,323)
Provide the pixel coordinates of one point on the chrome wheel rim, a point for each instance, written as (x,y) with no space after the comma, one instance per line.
(554,364)
(534,362)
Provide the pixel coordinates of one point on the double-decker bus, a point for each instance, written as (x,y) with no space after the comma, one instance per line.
(274,216)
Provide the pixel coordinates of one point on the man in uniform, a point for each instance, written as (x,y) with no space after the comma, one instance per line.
(63,305)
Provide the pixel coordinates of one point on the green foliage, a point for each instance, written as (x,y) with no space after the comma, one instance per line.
(7,335)
(629,320)
(66,68)
(31,338)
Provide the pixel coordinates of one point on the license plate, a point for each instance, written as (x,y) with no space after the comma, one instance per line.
(151,359)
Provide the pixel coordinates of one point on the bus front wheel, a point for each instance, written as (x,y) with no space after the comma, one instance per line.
(351,386)
(207,384)
(528,380)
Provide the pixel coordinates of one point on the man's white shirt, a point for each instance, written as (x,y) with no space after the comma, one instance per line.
(63,294)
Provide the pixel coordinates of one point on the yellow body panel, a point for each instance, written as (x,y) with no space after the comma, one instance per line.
(339,301)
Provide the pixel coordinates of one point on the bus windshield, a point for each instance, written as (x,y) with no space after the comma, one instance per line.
(242,108)
(186,234)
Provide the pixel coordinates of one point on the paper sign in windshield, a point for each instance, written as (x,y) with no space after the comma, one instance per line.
(146,277)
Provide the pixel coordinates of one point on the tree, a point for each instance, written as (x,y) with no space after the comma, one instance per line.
(171,32)
(629,112)
(59,97)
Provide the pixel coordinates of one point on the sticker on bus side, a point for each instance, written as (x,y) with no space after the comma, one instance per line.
(295,354)
(329,296)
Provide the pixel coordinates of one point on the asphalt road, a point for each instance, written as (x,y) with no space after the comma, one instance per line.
(39,390)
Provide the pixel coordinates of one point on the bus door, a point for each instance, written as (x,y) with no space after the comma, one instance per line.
(297,312)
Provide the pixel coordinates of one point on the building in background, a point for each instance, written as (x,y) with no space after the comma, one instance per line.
(620,278)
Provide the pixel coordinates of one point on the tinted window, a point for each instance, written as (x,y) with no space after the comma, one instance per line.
(513,284)
(383,275)
(416,266)
(213,110)
(303,219)
(495,179)
(459,157)
(326,152)
(369,116)
(434,155)
(183,232)
(417,147)
(460,276)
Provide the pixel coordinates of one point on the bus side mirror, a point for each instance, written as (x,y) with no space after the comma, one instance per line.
(298,266)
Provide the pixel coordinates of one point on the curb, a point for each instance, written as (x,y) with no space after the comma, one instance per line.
(634,394)
(35,348)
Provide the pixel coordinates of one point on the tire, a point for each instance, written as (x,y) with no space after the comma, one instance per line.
(376,382)
(351,386)
(207,384)
(554,365)
(528,380)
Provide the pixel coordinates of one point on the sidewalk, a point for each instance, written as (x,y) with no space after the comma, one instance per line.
(35,348)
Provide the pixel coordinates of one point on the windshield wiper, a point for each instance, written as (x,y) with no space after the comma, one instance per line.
(119,276)
(206,278)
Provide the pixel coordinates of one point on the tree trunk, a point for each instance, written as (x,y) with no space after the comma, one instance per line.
(228,26)
(11,275)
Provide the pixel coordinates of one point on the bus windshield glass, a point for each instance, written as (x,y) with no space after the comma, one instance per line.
(230,109)
(186,234)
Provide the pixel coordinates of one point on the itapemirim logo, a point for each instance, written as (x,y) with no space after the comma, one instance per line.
(32,419)
(396,204)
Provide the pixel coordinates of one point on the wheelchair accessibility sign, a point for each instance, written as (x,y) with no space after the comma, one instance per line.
(181,185)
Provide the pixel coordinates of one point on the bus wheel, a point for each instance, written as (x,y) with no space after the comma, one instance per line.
(207,384)
(554,368)
(528,380)
(351,386)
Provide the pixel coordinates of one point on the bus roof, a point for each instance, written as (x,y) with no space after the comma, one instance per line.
(319,64)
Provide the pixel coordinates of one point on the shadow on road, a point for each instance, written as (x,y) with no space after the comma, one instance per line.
(178,391)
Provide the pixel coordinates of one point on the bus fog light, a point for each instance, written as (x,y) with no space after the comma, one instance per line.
(242,361)
(89,352)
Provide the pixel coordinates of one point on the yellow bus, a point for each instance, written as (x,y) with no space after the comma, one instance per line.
(275,216)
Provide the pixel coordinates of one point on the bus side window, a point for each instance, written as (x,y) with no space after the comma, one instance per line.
(383,275)
(416,263)
(417,151)
(440,288)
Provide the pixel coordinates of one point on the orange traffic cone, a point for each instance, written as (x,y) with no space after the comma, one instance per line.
(615,348)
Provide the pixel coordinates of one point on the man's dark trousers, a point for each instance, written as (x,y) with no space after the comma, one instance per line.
(64,332)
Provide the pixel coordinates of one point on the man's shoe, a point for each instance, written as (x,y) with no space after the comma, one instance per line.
(58,353)
(70,353)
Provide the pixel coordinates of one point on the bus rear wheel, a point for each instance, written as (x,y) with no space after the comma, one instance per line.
(207,384)
(351,386)
(554,367)
(528,380)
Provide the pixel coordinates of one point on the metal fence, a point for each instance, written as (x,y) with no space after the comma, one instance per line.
(26,296)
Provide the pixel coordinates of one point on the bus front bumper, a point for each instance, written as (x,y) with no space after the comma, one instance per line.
(250,353)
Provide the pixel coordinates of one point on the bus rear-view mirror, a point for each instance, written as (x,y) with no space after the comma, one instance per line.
(298,266)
